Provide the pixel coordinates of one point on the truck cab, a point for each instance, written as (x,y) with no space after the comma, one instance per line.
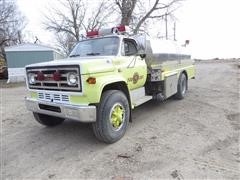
(104,78)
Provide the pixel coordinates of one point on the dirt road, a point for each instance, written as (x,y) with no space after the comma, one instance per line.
(197,137)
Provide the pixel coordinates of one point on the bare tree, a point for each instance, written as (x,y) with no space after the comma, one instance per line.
(67,19)
(73,18)
(100,17)
(65,42)
(76,17)
(126,8)
(137,12)
(11,24)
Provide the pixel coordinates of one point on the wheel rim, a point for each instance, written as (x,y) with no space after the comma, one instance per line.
(117,116)
(184,86)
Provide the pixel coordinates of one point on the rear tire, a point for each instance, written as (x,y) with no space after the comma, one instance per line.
(182,87)
(113,115)
(47,120)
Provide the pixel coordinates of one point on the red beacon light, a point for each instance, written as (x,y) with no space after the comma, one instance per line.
(121,28)
(115,30)
(92,33)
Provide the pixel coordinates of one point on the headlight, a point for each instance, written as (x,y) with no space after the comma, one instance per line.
(31,78)
(72,79)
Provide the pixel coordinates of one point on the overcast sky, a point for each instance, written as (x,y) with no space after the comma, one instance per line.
(212,26)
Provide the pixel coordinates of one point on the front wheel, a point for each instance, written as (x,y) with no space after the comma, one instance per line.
(112,117)
(47,120)
(182,87)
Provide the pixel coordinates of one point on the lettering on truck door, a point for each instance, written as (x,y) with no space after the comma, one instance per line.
(134,68)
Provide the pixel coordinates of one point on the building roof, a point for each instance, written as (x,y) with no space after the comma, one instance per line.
(29,47)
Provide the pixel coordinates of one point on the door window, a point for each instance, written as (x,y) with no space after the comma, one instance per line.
(129,48)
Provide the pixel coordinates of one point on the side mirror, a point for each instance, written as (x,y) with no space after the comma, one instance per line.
(187,42)
(141,53)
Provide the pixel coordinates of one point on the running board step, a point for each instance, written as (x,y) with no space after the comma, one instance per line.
(142,100)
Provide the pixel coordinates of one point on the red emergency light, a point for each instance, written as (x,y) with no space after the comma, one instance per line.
(121,28)
(56,76)
(118,29)
(92,33)
(40,76)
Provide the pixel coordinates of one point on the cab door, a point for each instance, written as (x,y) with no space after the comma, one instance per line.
(132,67)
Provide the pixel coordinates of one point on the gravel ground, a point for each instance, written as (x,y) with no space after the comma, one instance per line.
(195,138)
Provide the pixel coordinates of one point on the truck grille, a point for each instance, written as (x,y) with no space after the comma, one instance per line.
(58,98)
(48,83)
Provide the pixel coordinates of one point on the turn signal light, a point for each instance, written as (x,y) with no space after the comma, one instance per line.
(91,80)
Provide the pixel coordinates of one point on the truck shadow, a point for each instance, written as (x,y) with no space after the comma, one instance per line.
(151,107)
(75,132)
(76,141)
(70,132)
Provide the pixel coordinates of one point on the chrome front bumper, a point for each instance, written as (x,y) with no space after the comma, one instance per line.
(79,113)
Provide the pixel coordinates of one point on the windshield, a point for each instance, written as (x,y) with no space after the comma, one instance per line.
(107,46)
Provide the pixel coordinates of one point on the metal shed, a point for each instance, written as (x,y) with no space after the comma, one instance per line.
(21,55)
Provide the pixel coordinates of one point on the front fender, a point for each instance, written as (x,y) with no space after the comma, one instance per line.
(92,92)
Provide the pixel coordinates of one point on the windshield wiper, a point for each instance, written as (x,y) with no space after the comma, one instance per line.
(93,54)
(74,55)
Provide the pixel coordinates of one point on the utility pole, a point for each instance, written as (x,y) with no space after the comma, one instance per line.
(166,26)
(174,31)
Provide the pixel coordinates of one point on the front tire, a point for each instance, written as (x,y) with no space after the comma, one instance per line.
(47,120)
(182,87)
(112,117)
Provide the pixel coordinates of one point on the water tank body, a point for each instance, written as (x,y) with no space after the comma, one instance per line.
(158,51)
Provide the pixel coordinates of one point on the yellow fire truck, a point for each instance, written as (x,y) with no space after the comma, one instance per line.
(105,77)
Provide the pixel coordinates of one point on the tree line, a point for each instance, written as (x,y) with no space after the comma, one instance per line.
(69,20)
(12,23)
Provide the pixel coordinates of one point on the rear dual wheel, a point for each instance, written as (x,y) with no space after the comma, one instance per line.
(112,117)
(182,86)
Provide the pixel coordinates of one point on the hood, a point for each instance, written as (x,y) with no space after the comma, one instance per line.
(88,65)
